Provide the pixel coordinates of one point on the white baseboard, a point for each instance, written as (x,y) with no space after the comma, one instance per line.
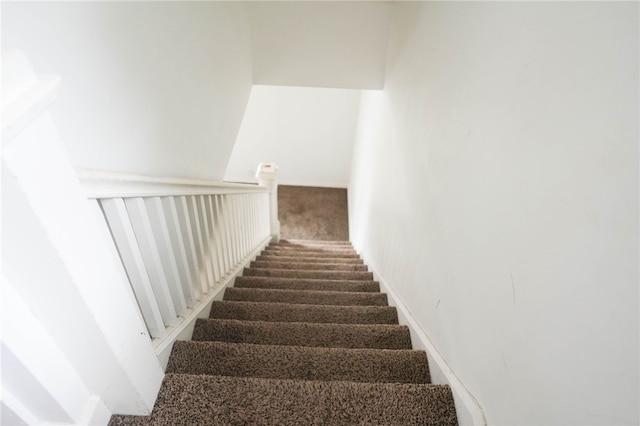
(468,408)
(184,329)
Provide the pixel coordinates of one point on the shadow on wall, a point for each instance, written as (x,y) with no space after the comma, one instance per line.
(313,213)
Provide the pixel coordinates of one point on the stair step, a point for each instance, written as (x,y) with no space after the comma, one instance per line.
(299,362)
(308,266)
(307,284)
(296,241)
(271,258)
(297,273)
(324,249)
(289,253)
(306,297)
(378,336)
(285,312)
(198,399)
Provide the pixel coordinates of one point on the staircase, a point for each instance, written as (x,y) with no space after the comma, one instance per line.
(304,337)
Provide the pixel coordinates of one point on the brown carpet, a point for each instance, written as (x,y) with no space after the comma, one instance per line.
(300,342)
(313,213)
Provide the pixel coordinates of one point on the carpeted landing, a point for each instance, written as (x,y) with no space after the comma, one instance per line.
(304,337)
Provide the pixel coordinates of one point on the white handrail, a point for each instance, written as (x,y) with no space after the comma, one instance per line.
(180,241)
(103,184)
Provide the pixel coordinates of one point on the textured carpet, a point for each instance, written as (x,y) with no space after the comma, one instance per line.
(305,297)
(299,362)
(307,284)
(301,339)
(313,213)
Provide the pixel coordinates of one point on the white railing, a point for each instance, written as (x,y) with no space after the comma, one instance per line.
(180,241)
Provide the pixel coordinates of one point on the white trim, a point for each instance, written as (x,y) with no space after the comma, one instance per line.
(105,184)
(163,345)
(460,391)
(295,182)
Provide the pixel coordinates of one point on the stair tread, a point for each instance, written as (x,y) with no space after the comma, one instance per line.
(299,362)
(197,399)
(303,241)
(297,273)
(297,253)
(310,259)
(274,264)
(306,297)
(282,312)
(307,284)
(378,336)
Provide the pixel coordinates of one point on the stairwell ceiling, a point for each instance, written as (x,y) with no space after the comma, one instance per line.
(319,44)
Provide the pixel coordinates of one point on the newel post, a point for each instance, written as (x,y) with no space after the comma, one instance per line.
(267,174)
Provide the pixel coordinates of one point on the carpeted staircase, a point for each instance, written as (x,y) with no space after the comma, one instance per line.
(304,337)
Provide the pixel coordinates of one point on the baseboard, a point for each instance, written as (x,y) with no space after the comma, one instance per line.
(468,408)
(184,329)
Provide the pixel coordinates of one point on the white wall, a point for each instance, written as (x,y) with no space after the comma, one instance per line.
(320,44)
(155,88)
(307,132)
(506,213)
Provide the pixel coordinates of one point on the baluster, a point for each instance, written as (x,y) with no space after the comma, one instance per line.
(159,227)
(228,229)
(236,227)
(206,241)
(149,248)
(210,234)
(192,205)
(185,227)
(215,238)
(178,248)
(117,217)
(220,227)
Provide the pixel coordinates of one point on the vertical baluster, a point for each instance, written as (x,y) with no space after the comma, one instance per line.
(185,227)
(217,236)
(241,227)
(224,227)
(236,225)
(151,256)
(178,248)
(121,229)
(254,213)
(252,231)
(159,226)
(206,241)
(267,214)
(247,237)
(212,239)
(220,228)
(226,211)
(192,205)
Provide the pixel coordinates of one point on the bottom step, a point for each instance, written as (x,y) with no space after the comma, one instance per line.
(203,400)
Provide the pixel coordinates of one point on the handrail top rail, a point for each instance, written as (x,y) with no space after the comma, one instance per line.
(105,184)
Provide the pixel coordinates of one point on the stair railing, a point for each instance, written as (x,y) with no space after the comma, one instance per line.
(180,241)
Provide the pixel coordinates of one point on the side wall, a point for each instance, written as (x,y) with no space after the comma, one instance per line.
(156,88)
(495,189)
(308,132)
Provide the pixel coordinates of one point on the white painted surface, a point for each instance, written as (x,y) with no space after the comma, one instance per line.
(58,261)
(495,188)
(155,88)
(37,374)
(319,44)
(307,132)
